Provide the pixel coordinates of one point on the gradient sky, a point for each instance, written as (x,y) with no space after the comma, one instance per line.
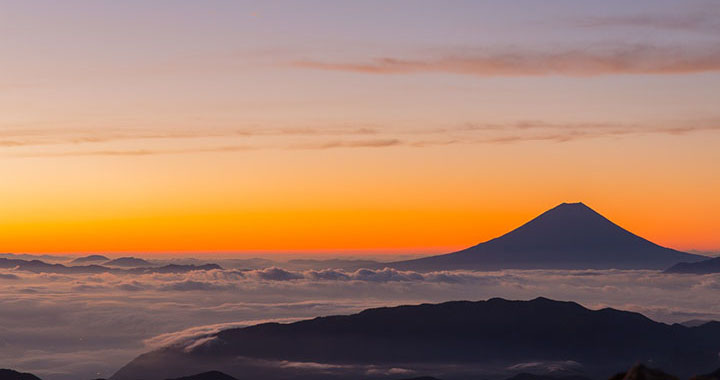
(384,126)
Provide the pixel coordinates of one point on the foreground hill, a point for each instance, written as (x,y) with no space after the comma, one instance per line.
(700,267)
(449,340)
(569,236)
(8,374)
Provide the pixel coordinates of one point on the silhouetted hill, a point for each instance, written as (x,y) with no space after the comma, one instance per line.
(700,267)
(641,372)
(8,374)
(90,259)
(569,236)
(441,339)
(210,375)
(532,376)
(128,262)
(696,322)
(715,375)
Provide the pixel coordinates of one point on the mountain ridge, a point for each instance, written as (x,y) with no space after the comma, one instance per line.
(495,334)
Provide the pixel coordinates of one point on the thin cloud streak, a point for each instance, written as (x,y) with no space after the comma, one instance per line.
(702,20)
(469,133)
(20,138)
(578,62)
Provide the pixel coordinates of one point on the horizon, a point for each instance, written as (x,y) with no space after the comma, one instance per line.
(380,254)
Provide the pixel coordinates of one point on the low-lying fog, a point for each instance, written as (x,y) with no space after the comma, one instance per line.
(64,327)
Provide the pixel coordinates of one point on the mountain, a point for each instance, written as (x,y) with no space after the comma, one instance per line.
(641,372)
(715,375)
(531,376)
(23,256)
(128,262)
(8,374)
(696,322)
(90,259)
(447,340)
(37,266)
(569,236)
(699,267)
(210,375)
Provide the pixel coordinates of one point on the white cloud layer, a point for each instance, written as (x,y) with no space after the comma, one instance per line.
(84,326)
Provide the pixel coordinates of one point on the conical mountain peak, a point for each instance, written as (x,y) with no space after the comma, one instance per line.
(569,235)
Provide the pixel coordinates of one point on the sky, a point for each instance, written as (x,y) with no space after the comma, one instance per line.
(373,126)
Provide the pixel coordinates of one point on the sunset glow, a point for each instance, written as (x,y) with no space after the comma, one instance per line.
(251,127)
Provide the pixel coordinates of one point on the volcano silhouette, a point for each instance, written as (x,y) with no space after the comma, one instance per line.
(568,236)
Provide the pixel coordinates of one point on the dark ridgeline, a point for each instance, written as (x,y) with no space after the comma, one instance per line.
(128,262)
(641,372)
(90,259)
(715,375)
(569,236)
(532,376)
(701,267)
(8,374)
(210,375)
(442,339)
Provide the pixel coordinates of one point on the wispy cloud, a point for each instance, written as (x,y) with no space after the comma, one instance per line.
(311,139)
(585,61)
(376,143)
(703,19)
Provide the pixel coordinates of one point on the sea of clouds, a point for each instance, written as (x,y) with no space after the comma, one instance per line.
(66,327)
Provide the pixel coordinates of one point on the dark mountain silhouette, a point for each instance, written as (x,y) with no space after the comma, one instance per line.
(532,376)
(37,266)
(696,322)
(641,372)
(8,374)
(699,267)
(710,376)
(128,262)
(210,375)
(569,236)
(90,259)
(23,256)
(441,339)
(173,268)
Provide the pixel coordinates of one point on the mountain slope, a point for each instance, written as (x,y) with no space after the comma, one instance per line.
(442,339)
(210,375)
(569,236)
(8,374)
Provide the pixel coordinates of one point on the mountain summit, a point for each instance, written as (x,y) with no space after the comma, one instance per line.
(568,236)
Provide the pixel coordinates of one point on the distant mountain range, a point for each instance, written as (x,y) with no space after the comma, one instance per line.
(637,372)
(37,266)
(130,262)
(90,259)
(700,267)
(450,340)
(569,236)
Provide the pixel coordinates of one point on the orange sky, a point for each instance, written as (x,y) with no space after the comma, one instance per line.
(256,127)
